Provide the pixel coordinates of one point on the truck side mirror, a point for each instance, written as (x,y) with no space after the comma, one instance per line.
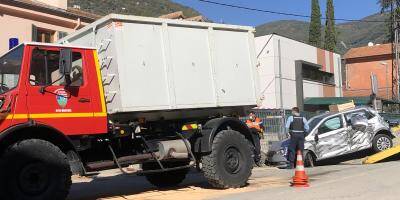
(65,66)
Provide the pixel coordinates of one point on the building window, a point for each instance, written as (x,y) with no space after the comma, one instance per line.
(62,34)
(43,35)
(313,73)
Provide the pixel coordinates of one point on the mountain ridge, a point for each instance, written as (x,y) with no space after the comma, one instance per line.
(351,34)
(153,8)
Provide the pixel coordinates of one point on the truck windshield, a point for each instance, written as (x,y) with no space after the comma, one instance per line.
(10,67)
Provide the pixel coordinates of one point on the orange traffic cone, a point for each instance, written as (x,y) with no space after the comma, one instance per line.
(300,178)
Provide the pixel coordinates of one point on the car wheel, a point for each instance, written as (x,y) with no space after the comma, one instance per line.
(309,160)
(381,142)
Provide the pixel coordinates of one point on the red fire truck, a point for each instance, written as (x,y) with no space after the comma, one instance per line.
(57,116)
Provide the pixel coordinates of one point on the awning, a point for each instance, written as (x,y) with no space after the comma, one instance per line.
(321,101)
(336,100)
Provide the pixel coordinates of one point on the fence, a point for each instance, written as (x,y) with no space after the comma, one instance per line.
(274,121)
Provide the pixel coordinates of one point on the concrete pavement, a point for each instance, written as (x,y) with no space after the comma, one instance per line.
(349,180)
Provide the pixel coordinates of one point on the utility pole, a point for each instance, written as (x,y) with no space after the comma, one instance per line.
(282,108)
(395,53)
(374,90)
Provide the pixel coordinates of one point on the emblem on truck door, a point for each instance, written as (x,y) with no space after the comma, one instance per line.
(61,97)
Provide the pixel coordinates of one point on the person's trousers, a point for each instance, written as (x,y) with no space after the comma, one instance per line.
(257,145)
(296,143)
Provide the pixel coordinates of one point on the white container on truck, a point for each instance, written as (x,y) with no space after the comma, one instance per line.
(151,64)
(125,90)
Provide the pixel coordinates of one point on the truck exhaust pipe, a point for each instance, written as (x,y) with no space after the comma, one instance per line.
(170,149)
(173,149)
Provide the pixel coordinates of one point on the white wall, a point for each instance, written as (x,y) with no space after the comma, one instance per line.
(312,89)
(266,71)
(63,4)
(291,51)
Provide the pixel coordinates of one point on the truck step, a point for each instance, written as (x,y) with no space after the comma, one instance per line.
(108,164)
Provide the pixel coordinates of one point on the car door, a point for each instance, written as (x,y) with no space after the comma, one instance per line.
(359,140)
(68,108)
(331,138)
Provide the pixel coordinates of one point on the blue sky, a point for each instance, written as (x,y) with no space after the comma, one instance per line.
(353,9)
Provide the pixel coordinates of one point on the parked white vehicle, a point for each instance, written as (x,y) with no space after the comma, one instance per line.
(338,133)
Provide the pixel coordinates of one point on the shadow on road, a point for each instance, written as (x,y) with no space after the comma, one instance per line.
(349,159)
(354,158)
(123,185)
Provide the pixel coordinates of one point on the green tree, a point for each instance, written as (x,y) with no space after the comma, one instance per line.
(330,30)
(314,35)
(392,9)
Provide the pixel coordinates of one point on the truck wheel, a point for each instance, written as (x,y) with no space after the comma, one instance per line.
(381,142)
(75,163)
(165,179)
(35,170)
(230,162)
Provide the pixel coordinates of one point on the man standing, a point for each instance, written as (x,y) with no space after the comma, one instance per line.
(255,125)
(297,127)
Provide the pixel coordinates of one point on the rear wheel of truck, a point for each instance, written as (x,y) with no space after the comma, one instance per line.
(230,162)
(165,179)
(35,170)
(381,142)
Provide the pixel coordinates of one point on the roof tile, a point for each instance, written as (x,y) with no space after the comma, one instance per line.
(368,51)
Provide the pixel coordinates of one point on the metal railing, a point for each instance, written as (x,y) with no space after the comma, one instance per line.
(274,121)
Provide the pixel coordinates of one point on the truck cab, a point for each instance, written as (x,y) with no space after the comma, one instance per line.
(33,89)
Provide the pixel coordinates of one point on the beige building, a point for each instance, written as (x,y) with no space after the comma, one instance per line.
(39,20)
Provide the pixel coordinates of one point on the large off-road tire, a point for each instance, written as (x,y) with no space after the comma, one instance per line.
(381,142)
(165,179)
(75,163)
(34,170)
(309,159)
(230,162)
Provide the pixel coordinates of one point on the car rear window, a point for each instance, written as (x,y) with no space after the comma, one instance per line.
(364,113)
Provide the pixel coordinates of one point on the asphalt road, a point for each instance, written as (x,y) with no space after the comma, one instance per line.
(348,180)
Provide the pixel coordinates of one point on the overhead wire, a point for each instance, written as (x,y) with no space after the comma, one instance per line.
(286,13)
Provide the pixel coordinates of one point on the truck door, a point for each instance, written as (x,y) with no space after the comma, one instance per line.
(67,108)
(332,138)
(359,140)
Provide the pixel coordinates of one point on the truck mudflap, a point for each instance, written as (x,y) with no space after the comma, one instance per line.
(212,127)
